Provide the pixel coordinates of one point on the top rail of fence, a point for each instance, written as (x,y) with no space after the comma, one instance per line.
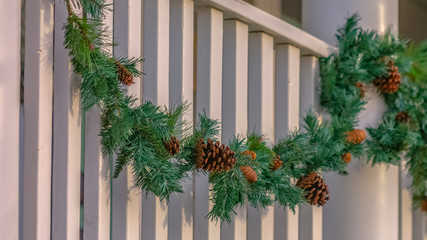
(258,20)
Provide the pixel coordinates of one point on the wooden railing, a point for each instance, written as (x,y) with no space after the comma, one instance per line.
(235,51)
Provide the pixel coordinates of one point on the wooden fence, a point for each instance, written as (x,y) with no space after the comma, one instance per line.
(214,53)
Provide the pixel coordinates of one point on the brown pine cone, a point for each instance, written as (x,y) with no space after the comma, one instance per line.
(249,174)
(250,153)
(402,117)
(315,188)
(391,83)
(346,157)
(424,205)
(361,87)
(356,136)
(172,146)
(277,163)
(125,77)
(214,157)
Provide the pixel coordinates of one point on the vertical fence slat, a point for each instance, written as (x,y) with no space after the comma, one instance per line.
(155,89)
(126,197)
(234,104)
(310,217)
(96,172)
(405,204)
(181,89)
(67,140)
(287,114)
(208,98)
(418,225)
(10,13)
(38,119)
(261,119)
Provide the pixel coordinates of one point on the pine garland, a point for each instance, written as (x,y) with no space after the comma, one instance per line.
(162,152)
(401,137)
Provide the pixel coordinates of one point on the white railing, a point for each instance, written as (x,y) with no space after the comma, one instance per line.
(235,51)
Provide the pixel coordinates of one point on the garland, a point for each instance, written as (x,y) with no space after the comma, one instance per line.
(162,153)
(402,133)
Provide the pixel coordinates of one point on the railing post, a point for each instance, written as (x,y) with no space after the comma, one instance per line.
(235,104)
(10,13)
(370,217)
(97,172)
(287,112)
(310,217)
(208,98)
(67,139)
(181,89)
(126,204)
(405,205)
(261,119)
(156,90)
(38,82)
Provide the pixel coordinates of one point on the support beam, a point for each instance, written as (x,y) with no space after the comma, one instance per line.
(375,215)
(235,104)
(208,99)
(38,81)
(287,112)
(155,89)
(67,120)
(310,217)
(10,13)
(181,89)
(261,119)
(126,196)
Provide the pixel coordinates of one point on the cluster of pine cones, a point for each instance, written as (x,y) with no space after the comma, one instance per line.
(391,83)
(353,137)
(315,188)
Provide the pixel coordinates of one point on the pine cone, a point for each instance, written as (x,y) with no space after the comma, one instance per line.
(402,117)
(391,83)
(172,146)
(361,87)
(424,205)
(277,163)
(356,136)
(249,174)
(346,157)
(249,153)
(125,77)
(214,157)
(315,188)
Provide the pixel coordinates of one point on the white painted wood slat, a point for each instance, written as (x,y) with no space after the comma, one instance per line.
(405,204)
(38,81)
(126,205)
(97,172)
(208,98)
(310,217)
(10,13)
(261,119)
(155,89)
(66,140)
(234,104)
(287,115)
(181,89)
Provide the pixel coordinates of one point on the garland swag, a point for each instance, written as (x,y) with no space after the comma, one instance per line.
(163,152)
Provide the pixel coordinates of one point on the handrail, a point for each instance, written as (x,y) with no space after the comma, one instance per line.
(259,20)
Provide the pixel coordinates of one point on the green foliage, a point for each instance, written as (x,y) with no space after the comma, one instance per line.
(395,142)
(135,133)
